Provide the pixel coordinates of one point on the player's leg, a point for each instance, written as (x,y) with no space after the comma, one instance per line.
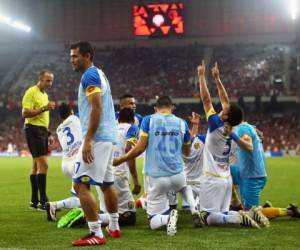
(109,191)
(172,197)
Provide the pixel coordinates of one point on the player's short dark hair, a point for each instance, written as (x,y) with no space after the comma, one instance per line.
(64,111)
(164,102)
(43,72)
(126,115)
(84,48)
(126,96)
(235,115)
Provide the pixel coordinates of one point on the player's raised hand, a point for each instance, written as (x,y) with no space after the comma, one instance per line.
(194,118)
(201,69)
(215,71)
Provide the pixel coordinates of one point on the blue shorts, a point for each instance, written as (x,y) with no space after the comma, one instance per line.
(250,188)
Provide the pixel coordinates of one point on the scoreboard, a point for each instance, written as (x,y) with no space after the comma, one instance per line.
(158,20)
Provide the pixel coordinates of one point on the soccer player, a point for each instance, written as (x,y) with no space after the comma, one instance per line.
(165,138)
(216,182)
(70,138)
(128,101)
(94,160)
(127,138)
(36,107)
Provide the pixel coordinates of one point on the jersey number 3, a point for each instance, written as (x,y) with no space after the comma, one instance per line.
(70,136)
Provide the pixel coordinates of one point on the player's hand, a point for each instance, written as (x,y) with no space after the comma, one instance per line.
(136,189)
(117,161)
(87,152)
(201,69)
(194,118)
(50,105)
(215,72)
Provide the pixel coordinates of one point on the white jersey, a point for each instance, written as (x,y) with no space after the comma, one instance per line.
(70,137)
(233,158)
(217,149)
(193,163)
(125,132)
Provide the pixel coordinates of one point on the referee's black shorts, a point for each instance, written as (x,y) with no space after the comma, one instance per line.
(37,140)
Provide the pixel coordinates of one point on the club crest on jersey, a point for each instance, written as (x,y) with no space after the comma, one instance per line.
(197,145)
(85,179)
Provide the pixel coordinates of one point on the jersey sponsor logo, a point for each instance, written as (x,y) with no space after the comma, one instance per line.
(85,179)
(165,133)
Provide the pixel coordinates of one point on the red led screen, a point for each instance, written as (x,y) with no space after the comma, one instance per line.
(158,19)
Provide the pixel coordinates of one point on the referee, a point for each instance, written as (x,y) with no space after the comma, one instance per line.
(35,110)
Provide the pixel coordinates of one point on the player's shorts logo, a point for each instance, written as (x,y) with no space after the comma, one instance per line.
(130,204)
(85,179)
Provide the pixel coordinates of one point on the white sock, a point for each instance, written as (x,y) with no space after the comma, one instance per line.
(158,221)
(221,219)
(68,203)
(187,195)
(104,218)
(114,221)
(95,227)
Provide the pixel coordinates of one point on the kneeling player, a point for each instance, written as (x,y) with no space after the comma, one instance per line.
(70,139)
(127,138)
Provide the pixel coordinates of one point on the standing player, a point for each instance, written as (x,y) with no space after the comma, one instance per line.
(94,160)
(127,138)
(35,110)
(216,182)
(165,138)
(70,138)
(128,101)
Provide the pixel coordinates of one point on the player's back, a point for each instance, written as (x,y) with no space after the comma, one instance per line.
(70,137)
(217,148)
(166,135)
(193,163)
(252,165)
(94,80)
(125,132)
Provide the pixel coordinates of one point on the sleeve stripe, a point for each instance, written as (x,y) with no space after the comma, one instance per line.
(91,90)
(209,113)
(142,133)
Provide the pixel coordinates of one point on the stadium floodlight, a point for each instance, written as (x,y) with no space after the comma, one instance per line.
(294,9)
(15,24)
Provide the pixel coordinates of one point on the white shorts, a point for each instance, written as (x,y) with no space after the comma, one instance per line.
(100,171)
(215,194)
(67,167)
(196,193)
(158,188)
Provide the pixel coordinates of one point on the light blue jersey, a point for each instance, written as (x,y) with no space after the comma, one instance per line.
(92,81)
(252,165)
(166,135)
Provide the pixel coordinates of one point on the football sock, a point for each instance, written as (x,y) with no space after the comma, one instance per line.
(114,221)
(34,189)
(273,212)
(104,218)
(158,221)
(95,227)
(221,219)
(41,182)
(187,194)
(67,203)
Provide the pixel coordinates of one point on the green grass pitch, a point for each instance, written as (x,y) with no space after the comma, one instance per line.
(21,228)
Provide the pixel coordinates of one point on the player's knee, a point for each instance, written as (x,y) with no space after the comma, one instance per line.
(127,219)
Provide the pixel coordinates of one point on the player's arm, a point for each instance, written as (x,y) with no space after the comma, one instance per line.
(244,141)
(204,92)
(195,121)
(132,169)
(141,145)
(221,90)
(186,147)
(95,103)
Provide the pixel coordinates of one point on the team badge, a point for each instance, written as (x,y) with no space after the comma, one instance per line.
(197,145)
(85,179)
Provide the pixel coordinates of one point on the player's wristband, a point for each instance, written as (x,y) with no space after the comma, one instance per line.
(234,137)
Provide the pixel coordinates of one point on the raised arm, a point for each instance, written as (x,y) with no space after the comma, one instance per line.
(204,92)
(195,121)
(221,90)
